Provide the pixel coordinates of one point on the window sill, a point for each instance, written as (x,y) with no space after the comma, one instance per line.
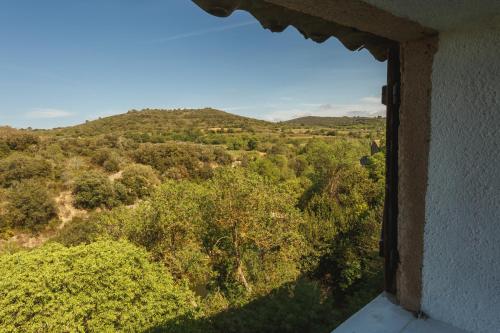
(383,316)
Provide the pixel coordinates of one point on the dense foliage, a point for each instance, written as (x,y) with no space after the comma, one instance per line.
(138,181)
(17,167)
(92,190)
(30,205)
(274,226)
(101,287)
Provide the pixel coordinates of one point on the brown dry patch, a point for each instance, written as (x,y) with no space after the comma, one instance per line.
(66,211)
(116,176)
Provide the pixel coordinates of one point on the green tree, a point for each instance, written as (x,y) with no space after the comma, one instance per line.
(93,190)
(30,205)
(4,149)
(265,168)
(18,140)
(17,167)
(376,166)
(253,231)
(347,206)
(221,156)
(252,144)
(108,159)
(139,181)
(79,231)
(170,226)
(101,287)
(170,158)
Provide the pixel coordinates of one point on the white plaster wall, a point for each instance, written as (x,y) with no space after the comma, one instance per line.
(461,265)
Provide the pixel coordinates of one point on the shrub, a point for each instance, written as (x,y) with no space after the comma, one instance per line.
(346,208)
(30,205)
(100,156)
(93,190)
(102,287)
(375,165)
(291,308)
(252,231)
(112,165)
(266,168)
(17,167)
(138,181)
(122,195)
(222,157)
(108,159)
(4,149)
(168,225)
(252,144)
(18,140)
(79,231)
(165,156)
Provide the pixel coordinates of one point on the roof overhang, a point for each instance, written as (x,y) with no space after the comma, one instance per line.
(356,24)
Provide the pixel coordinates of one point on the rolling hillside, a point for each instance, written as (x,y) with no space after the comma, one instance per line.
(155,120)
(188,124)
(242,215)
(312,121)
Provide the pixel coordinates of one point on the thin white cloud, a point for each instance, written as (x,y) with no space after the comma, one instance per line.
(204,32)
(365,107)
(371,100)
(48,113)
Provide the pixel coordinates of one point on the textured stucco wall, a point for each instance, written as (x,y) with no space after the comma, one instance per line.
(461,265)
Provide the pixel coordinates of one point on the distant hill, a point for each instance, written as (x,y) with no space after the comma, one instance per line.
(188,124)
(155,120)
(312,121)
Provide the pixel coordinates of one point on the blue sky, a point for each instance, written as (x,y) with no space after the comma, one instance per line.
(66,61)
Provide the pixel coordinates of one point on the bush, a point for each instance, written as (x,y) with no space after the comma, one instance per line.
(18,140)
(17,167)
(347,209)
(252,144)
(297,307)
(79,231)
(93,190)
(30,205)
(165,156)
(266,168)
(236,227)
(222,157)
(107,159)
(4,149)
(253,232)
(101,287)
(291,308)
(169,226)
(138,180)
(112,165)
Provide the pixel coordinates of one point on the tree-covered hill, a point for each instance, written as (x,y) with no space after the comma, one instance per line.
(370,122)
(158,121)
(273,226)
